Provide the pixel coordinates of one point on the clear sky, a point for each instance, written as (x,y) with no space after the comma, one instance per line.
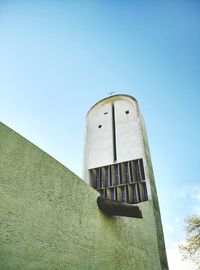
(58,58)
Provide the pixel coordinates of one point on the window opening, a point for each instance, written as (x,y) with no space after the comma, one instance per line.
(123,182)
(106,176)
(140,170)
(137,170)
(139,195)
(127,176)
(145,191)
(110,176)
(98,178)
(116,174)
(123,194)
(105,193)
(133,171)
(116,195)
(141,166)
(134,192)
(112,194)
(127,194)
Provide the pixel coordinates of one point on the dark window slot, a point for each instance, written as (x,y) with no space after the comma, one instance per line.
(127,195)
(145,191)
(127,173)
(134,192)
(141,169)
(116,195)
(110,173)
(138,192)
(117,182)
(106,177)
(123,194)
(97,179)
(112,194)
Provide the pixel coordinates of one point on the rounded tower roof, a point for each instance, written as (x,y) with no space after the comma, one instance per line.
(112,98)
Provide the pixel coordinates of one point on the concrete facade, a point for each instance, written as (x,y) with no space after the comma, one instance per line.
(99,143)
(115,138)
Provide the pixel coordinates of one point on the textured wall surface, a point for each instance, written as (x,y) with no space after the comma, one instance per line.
(49,218)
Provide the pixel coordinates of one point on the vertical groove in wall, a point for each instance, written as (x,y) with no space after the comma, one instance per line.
(114,134)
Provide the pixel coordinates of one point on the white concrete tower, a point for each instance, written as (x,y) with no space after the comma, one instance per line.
(117,160)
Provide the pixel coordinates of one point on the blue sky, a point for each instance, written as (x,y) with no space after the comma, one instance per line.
(58,58)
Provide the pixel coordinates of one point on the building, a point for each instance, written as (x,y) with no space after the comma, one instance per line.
(117,160)
(49,216)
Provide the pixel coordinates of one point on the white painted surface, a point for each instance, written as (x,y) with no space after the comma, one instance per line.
(99,143)
(127,130)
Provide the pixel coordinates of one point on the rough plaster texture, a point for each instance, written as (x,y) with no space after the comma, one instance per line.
(49,218)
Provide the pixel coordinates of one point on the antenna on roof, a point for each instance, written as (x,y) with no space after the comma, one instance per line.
(111,93)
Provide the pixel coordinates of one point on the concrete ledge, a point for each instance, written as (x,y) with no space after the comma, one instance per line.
(114,208)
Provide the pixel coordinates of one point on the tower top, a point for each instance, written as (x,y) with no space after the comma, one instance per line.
(111,93)
(112,98)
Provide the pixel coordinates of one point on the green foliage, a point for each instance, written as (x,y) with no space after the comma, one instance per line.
(191,249)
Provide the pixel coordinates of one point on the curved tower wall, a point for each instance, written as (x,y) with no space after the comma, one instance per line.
(115,136)
(100,140)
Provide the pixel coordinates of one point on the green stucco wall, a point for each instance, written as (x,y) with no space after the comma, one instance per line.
(49,218)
